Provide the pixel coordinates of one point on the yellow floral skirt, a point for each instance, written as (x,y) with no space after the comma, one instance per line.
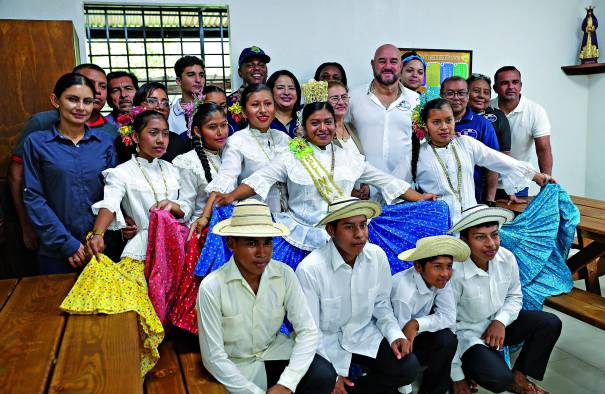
(108,287)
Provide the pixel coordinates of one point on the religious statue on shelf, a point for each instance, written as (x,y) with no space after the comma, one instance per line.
(589,52)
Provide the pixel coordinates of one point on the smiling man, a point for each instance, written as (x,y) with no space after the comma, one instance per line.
(347,284)
(487,290)
(382,114)
(241,307)
(191,78)
(121,88)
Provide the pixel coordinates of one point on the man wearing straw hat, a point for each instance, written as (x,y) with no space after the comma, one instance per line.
(241,307)
(488,297)
(347,284)
(425,308)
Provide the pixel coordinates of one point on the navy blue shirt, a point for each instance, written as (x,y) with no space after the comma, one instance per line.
(289,129)
(479,128)
(62,181)
(45,121)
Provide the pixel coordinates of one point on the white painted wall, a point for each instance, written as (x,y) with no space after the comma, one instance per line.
(537,36)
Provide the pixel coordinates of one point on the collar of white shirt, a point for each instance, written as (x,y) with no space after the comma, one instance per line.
(177,109)
(420,283)
(338,261)
(471,269)
(232,272)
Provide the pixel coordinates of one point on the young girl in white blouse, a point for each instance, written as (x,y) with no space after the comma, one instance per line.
(252,148)
(136,186)
(443,164)
(197,168)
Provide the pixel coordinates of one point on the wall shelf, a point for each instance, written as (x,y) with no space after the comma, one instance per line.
(584,69)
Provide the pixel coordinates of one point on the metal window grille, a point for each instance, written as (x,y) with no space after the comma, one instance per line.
(147,41)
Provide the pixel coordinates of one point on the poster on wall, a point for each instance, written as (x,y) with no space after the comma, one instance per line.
(442,64)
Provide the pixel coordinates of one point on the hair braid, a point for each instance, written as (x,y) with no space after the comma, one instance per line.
(201,154)
(415,154)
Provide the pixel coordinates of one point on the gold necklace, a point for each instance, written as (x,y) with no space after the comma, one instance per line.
(269,136)
(457,192)
(324,186)
(149,182)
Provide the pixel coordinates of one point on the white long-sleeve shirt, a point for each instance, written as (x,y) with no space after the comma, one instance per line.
(515,175)
(127,188)
(413,299)
(193,181)
(351,306)
(306,207)
(482,297)
(239,330)
(246,152)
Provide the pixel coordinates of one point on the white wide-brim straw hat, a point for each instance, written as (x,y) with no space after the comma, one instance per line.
(251,218)
(346,207)
(480,214)
(440,245)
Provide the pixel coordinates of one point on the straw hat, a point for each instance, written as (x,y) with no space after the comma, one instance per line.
(440,245)
(346,207)
(251,218)
(482,214)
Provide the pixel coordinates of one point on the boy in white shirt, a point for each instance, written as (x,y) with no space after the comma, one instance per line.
(241,307)
(347,284)
(488,294)
(425,308)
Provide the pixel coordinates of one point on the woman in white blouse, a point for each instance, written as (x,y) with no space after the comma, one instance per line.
(197,168)
(252,148)
(316,171)
(136,186)
(443,164)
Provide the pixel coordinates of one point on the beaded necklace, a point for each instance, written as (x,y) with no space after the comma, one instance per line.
(457,192)
(209,155)
(149,182)
(270,137)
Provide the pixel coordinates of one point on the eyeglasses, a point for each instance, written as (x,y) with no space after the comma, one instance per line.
(336,99)
(459,93)
(154,101)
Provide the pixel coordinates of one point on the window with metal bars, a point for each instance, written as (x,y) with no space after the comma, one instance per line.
(147,41)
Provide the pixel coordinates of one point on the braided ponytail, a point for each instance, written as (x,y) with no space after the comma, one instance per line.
(415,154)
(201,154)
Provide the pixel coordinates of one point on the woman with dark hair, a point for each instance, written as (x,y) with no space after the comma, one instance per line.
(197,168)
(252,147)
(316,171)
(286,93)
(413,68)
(444,165)
(331,71)
(144,183)
(62,169)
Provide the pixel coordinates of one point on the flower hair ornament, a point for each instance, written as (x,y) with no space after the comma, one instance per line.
(418,125)
(191,108)
(126,120)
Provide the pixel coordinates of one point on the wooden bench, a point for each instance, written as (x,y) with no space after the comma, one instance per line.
(180,368)
(588,306)
(43,350)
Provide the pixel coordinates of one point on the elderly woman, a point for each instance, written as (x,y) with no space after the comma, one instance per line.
(286,93)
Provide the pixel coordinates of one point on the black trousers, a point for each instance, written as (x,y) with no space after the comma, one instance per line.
(319,379)
(385,372)
(435,350)
(539,330)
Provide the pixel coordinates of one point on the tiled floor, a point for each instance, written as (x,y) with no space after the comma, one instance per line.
(577,365)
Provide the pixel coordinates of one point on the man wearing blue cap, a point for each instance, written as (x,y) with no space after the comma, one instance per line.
(252,69)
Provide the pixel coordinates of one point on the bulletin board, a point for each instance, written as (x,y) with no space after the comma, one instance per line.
(442,64)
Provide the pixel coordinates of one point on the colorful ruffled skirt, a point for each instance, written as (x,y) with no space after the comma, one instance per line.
(110,288)
(395,230)
(540,238)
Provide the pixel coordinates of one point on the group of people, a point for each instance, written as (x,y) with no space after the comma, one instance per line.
(245,219)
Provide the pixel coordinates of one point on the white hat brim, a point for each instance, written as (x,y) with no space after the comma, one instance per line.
(367,208)
(449,246)
(225,229)
(486,215)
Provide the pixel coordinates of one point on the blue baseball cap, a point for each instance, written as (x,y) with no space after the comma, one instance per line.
(253,51)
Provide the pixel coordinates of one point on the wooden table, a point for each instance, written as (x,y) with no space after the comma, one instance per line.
(43,350)
(591,238)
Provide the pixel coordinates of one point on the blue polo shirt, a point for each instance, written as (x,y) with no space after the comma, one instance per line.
(62,181)
(45,121)
(479,128)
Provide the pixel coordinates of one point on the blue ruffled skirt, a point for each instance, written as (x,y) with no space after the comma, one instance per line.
(540,238)
(395,230)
